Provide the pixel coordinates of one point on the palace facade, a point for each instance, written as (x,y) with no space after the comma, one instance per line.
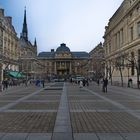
(63,63)
(122,44)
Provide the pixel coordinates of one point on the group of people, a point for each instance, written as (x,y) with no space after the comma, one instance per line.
(104,83)
(40,82)
(6,83)
(83,83)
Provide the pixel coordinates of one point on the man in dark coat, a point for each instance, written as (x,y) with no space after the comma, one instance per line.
(105,83)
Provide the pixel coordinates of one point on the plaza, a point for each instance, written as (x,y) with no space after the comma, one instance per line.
(63,111)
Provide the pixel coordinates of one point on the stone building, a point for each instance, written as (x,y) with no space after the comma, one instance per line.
(9,51)
(122,44)
(28,53)
(63,63)
(96,63)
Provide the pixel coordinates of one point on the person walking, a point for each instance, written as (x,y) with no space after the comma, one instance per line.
(98,82)
(105,83)
(43,83)
(81,84)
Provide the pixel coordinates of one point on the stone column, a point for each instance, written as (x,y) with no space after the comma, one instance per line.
(70,68)
(1,77)
(60,64)
(55,67)
(65,64)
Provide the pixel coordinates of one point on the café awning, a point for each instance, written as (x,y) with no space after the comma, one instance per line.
(16,74)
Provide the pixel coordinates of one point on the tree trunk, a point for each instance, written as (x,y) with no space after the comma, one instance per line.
(121,77)
(138,84)
(111,72)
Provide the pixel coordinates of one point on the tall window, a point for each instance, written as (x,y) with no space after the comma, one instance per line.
(119,39)
(138,28)
(122,39)
(132,64)
(115,41)
(109,48)
(131,33)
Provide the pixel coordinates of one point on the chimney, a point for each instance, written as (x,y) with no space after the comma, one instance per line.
(63,44)
(9,19)
(1,12)
(52,50)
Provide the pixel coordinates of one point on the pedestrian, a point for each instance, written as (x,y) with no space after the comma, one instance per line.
(37,83)
(81,84)
(5,84)
(98,82)
(84,82)
(43,83)
(87,82)
(130,82)
(105,83)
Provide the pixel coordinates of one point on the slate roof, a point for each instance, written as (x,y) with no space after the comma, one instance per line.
(74,54)
(80,54)
(62,48)
(46,54)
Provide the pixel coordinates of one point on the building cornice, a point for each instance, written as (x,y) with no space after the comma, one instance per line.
(123,16)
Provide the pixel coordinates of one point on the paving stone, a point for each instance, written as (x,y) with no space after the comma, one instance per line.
(9,98)
(18,100)
(4,103)
(131,136)
(110,136)
(62,128)
(36,106)
(92,117)
(85,136)
(2,134)
(62,136)
(44,98)
(15,136)
(62,124)
(92,106)
(38,136)
(108,122)
(27,122)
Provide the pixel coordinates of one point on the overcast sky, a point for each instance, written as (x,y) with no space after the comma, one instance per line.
(78,23)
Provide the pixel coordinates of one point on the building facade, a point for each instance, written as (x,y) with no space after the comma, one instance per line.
(96,63)
(9,51)
(122,44)
(63,63)
(20,55)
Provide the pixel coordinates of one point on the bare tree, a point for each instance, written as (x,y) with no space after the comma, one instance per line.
(133,61)
(109,71)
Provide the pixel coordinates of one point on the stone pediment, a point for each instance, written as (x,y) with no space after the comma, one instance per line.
(63,55)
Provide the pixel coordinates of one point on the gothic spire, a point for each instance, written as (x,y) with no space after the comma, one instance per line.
(35,43)
(35,46)
(24,33)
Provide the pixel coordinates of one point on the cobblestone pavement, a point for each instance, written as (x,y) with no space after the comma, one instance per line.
(66,112)
(96,115)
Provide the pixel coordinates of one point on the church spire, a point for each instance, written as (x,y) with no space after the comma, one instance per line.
(35,43)
(35,46)
(24,33)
